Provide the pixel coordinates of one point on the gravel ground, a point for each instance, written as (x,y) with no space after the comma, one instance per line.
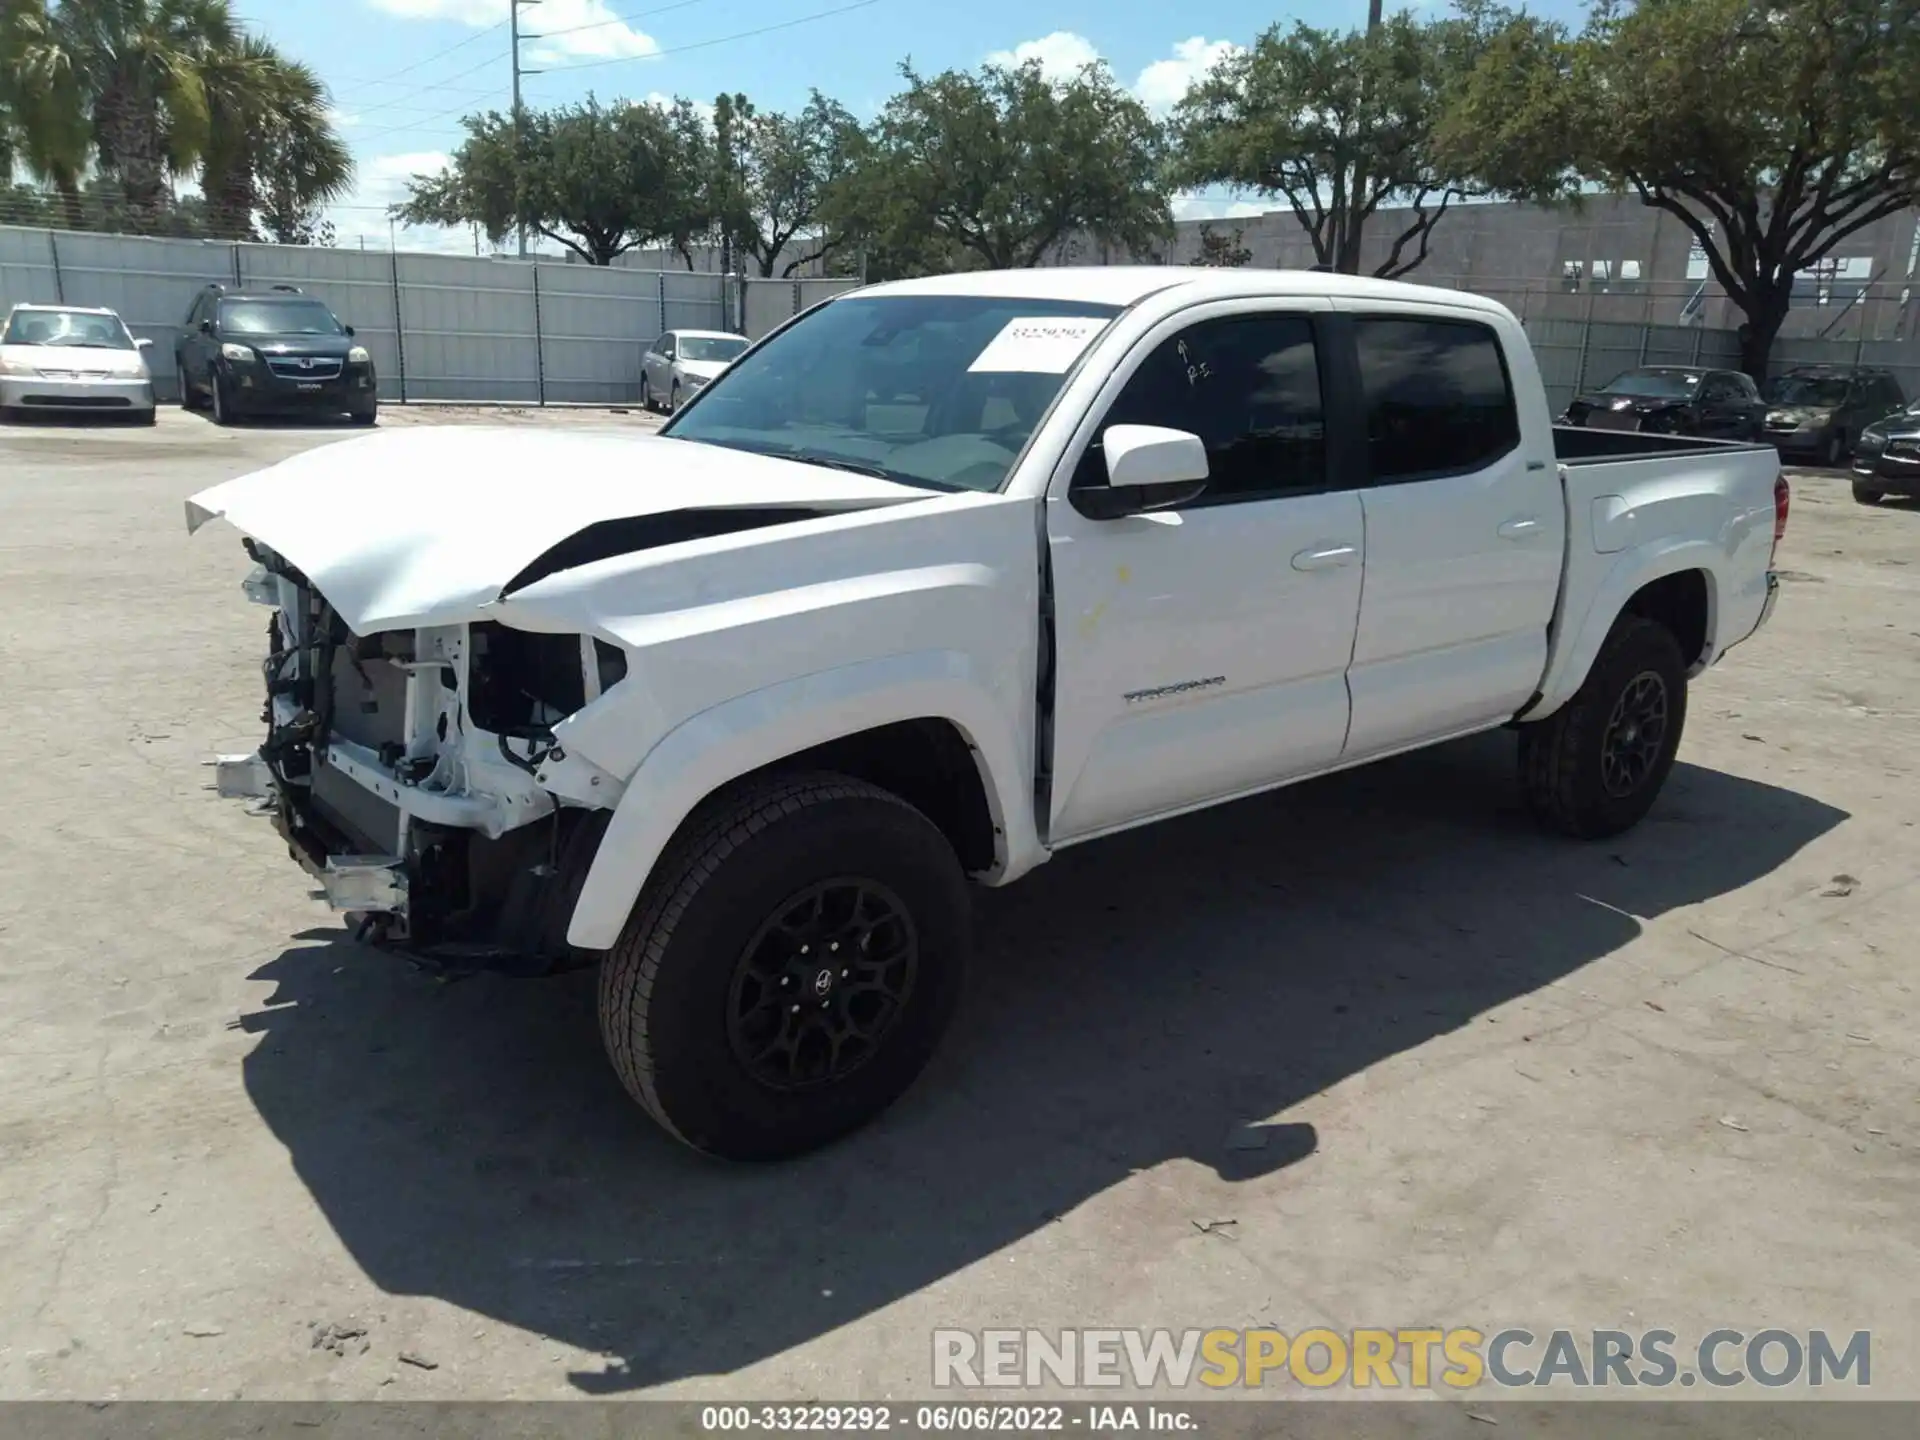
(1503,1080)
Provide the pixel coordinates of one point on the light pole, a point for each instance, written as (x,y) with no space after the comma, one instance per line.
(513,28)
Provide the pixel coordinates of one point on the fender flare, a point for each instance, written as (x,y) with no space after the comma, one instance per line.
(1631,572)
(744,734)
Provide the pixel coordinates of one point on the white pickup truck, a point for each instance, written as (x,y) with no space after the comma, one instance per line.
(940,577)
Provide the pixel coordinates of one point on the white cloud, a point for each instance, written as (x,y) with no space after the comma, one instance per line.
(380,181)
(1164,83)
(1212,207)
(1062,55)
(341,119)
(557,31)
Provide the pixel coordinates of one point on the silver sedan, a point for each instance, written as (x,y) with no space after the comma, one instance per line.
(678,365)
(72,359)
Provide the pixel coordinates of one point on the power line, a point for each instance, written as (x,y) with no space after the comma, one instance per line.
(436,55)
(614,20)
(431,122)
(440,115)
(718,40)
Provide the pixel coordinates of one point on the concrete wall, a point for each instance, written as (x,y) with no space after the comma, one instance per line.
(1631,263)
(440,327)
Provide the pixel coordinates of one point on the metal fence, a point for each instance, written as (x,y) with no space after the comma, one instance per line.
(1574,354)
(440,327)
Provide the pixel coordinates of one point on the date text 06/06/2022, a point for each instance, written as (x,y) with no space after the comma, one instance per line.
(866,1419)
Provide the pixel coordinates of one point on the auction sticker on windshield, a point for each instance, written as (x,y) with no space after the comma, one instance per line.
(1039,344)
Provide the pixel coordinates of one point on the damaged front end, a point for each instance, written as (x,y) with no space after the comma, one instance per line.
(415,773)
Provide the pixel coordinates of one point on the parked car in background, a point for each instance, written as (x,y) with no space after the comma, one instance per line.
(1817,411)
(680,362)
(276,351)
(70,358)
(1886,458)
(1674,400)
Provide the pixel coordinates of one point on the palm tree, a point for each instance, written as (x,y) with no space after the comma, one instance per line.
(43,104)
(271,146)
(143,63)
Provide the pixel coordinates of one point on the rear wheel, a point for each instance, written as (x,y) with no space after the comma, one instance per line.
(1868,494)
(1595,766)
(789,968)
(1836,455)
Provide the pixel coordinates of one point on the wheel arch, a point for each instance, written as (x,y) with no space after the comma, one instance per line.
(922,725)
(1676,585)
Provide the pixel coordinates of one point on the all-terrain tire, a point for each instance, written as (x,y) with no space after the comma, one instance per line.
(1562,758)
(667,985)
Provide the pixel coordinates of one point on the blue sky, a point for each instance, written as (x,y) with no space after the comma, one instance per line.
(403,71)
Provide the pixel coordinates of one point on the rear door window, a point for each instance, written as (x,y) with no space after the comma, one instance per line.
(1437,395)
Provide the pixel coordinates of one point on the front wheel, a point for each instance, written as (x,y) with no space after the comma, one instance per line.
(673,399)
(368,416)
(789,968)
(1868,494)
(1595,766)
(1837,450)
(222,406)
(185,385)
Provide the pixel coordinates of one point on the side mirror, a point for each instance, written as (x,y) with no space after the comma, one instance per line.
(1149,467)
(206,327)
(141,344)
(349,330)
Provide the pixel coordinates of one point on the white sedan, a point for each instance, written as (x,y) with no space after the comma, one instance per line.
(70,358)
(677,365)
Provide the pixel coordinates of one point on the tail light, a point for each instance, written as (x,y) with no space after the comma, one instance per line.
(1782,497)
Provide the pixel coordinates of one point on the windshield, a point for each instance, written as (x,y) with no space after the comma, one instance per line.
(67,327)
(709,347)
(934,390)
(1658,384)
(1807,390)
(277,317)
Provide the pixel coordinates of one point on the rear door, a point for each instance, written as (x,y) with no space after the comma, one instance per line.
(1465,525)
(1201,651)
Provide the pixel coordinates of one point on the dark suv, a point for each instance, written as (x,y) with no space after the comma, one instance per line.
(1816,412)
(271,351)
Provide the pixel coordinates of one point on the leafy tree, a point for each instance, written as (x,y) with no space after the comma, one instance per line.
(597,179)
(271,151)
(1001,165)
(143,64)
(1771,132)
(1341,125)
(1222,249)
(43,104)
(793,163)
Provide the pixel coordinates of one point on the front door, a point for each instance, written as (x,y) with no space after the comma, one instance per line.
(1202,651)
(1465,531)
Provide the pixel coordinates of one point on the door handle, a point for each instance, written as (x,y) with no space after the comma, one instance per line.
(1519,529)
(1326,557)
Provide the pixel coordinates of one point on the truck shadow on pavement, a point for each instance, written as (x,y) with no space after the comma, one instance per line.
(1131,1002)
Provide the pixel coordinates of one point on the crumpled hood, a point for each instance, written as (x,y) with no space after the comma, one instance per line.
(412,527)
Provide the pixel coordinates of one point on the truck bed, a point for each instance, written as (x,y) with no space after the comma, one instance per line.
(1578,445)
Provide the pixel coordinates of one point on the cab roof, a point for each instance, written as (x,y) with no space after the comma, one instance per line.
(1125,284)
